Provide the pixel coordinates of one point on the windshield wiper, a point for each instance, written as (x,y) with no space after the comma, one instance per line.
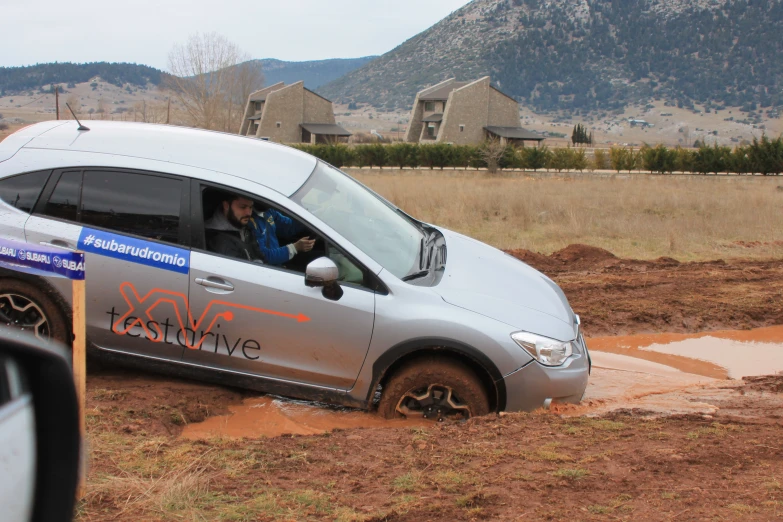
(416,275)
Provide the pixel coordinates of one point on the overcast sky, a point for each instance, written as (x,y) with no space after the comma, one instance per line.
(144,31)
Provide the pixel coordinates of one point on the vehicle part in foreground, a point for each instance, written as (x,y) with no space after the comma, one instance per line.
(39,430)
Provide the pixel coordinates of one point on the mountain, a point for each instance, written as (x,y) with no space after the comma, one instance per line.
(314,73)
(15,79)
(590,54)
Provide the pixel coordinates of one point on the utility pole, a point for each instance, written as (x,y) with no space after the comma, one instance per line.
(168,110)
(57,101)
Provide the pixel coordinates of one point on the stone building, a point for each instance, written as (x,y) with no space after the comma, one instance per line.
(466,113)
(291,114)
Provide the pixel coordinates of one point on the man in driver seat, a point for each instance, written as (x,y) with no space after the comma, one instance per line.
(234,230)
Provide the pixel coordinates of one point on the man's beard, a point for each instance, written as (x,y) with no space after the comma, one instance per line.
(232,218)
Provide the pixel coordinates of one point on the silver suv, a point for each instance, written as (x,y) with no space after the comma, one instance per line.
(379,311)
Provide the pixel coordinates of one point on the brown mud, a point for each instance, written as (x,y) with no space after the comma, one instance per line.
(659,436)
(624,296)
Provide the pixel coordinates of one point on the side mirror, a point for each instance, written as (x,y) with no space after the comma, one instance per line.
(323,273)
(40,443)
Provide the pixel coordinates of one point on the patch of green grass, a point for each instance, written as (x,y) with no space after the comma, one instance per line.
(571,473)
(407,482)
(742,508)
(553,456)
(451,481)
(668,495)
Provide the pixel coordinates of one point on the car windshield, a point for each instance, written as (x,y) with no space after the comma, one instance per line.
(364,218)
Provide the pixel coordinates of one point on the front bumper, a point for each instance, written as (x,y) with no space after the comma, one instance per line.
(536,386)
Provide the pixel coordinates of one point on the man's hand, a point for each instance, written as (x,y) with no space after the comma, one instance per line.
(304,245)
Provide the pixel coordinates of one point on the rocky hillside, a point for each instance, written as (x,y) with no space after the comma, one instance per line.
(590,54)
(314,73)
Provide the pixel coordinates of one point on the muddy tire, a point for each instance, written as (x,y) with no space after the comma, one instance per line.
(27,307)
(434,388)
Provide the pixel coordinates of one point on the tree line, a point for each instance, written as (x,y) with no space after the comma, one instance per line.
(763,156)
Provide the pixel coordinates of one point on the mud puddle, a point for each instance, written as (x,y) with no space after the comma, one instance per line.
(272,417)
(722,354)
(663,373)
(677,373)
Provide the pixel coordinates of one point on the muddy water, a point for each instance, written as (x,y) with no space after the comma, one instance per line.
(271,417)
(721,354)
(664,373)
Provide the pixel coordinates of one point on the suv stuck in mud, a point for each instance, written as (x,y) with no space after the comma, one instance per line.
(438,323)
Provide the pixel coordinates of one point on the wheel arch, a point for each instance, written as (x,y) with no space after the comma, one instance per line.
(395,357)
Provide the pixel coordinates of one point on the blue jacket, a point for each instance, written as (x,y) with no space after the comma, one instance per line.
(265,229)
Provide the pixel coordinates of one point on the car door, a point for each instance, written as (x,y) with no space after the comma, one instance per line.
(130,226)
(263,320)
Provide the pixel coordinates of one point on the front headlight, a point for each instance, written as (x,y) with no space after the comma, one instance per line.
(548,352)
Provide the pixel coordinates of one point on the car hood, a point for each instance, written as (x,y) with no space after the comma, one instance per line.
(489,282)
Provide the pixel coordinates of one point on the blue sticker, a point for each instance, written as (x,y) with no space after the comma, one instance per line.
(135,250)
(41,260)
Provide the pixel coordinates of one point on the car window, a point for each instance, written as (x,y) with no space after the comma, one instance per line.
(363,218)
(140,204)
(224,238)
(22,191)
(64,201)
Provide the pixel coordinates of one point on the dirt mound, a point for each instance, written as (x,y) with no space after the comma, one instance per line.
(534,259)
(583,255)
(572,257)
(767,383)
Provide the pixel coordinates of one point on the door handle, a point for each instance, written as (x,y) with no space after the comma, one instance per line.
(213,282)
(56,243)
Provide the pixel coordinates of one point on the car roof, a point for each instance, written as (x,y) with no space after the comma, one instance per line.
(278,167)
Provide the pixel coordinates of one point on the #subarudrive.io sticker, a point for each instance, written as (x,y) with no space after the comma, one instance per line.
(134,250)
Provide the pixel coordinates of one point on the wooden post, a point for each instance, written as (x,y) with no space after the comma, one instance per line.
(80,371)
(57,101)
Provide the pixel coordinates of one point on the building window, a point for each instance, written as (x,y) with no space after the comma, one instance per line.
(279,124)
(431,130)
(429,106)
(462,128)
(258,106)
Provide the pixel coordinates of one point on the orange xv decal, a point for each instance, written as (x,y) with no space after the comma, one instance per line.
(214,311)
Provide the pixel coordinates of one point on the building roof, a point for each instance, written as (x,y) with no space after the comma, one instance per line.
(514,133)
(163,148)
(326,129)
(442,94)
(433,118)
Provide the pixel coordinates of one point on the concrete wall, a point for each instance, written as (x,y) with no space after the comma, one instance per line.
(467,106)
(249,107)
(285,106)
(503,111)
(417,112)
(317,109)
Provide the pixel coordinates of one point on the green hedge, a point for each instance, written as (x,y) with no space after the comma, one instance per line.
(763,156)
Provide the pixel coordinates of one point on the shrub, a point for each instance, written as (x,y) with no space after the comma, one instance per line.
(535,157)
(372,155)
(403,154)
(434,155)
(766,156)
(560,159)
(658,159)
(600,160)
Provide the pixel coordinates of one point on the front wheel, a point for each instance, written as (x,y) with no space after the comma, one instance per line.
(26,307)
(434,388)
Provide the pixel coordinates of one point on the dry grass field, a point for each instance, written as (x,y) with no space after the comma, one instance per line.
(633,216)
